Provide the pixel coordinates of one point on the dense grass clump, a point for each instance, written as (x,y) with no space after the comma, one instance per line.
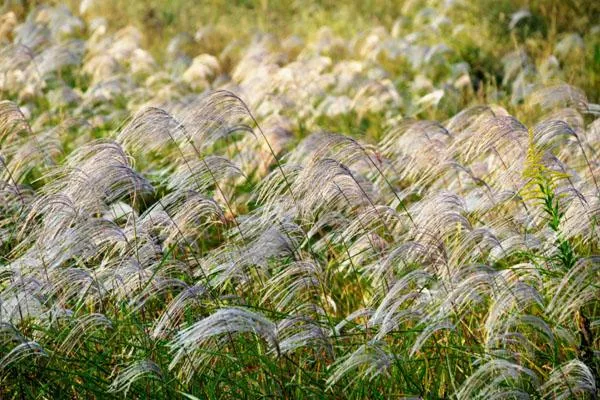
(405,206)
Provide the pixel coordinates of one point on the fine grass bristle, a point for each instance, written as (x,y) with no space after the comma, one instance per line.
(401,204)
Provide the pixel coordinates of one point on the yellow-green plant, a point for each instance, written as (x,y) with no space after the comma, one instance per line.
(541,185)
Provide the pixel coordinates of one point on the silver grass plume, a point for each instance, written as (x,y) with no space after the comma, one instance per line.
(192,346)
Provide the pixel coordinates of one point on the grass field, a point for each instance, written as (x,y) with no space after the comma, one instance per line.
(304,199)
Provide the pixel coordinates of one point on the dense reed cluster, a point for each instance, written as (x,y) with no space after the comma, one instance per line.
(286,218)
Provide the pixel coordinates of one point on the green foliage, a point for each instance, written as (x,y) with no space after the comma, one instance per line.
(320,236)
(542,186)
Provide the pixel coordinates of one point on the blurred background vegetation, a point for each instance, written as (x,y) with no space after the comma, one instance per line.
(492,28)
(216,23)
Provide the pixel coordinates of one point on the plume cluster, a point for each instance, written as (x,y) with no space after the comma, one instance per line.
(169,230)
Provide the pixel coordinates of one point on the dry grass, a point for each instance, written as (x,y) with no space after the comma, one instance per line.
(404,208)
